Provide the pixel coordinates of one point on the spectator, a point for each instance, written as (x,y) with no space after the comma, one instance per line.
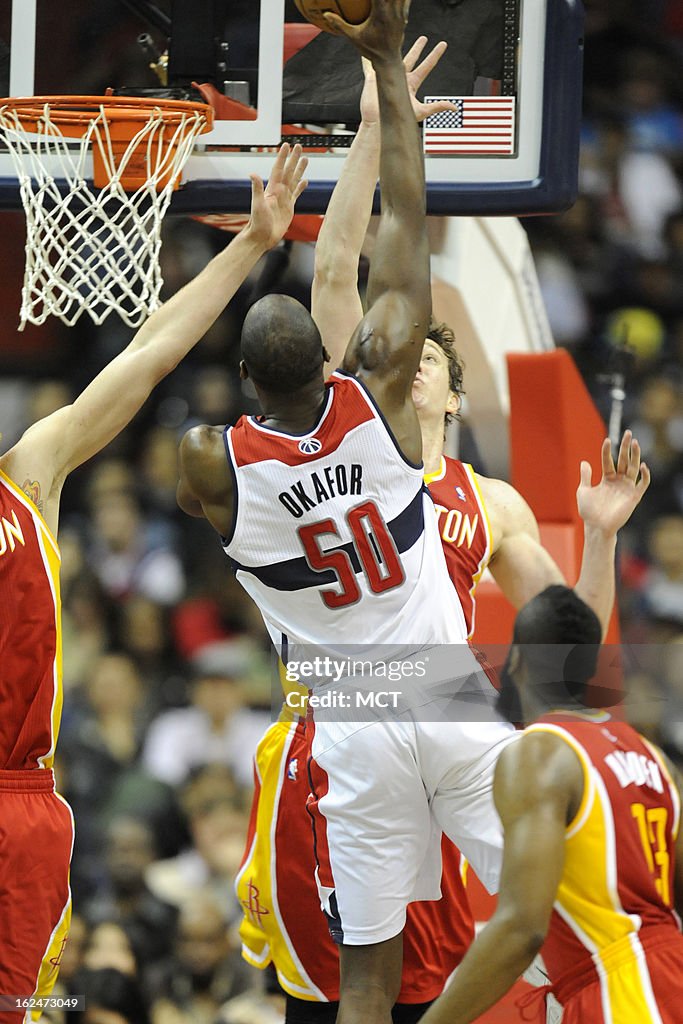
(109,946)
(206,969)
(111,997)
(215,809)
(145,922)
(217,728)
(663,591)
(131,555)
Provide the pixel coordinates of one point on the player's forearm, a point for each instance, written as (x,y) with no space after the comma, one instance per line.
(343,231)
(401,160)
(499,956)
(109,403)
(180,323)
(595,584)
(335,303)
(400,259)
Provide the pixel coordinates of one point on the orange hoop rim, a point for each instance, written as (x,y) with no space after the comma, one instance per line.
(79,111)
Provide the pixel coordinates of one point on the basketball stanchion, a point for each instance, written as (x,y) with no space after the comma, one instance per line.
(93,246)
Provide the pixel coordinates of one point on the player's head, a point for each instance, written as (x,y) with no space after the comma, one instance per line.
(282,350)
(553,657)
(438,390)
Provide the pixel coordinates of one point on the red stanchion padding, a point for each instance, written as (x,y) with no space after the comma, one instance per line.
(553,425)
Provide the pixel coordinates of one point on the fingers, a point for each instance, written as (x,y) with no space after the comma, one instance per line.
(644,481)
(633,460)
(301,187)
(606,458)
(279,165)
(586,474)
(299,173)
(423,110)
(368,70)
(295,166)
(413,54)
(623,457)
(256,186)
(430,61)
(338,26)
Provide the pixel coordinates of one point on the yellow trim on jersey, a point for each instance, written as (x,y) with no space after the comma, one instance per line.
(588,900)
(675,798)
(51,562)
(264,937)
(438,474)
(289,687)
(486,557)
(49,968)
(32,507)
(49,550)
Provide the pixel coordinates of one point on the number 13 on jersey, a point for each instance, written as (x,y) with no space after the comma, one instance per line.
(652,828)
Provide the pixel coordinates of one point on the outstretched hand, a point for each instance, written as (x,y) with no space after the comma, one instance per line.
(609,504)
(415,76)
(272,208)
(380,36)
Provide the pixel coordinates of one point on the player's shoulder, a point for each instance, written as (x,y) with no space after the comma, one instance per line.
(37,452)
(539,764)
(202,454)
(499,493)
(507,510)
(202,439)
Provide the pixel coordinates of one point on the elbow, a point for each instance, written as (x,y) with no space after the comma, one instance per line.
(336,273)
(525,934)
(533,943)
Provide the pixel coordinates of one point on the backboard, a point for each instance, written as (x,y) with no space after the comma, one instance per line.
(513,65)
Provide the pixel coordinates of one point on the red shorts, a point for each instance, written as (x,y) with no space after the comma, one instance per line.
(36,839)
(642,983)
(285,910)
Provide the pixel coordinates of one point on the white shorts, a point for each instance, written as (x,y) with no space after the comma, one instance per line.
(383,792)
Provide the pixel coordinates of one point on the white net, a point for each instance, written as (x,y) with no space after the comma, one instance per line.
(88,249)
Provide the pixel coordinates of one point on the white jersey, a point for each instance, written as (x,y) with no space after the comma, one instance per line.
(334,533)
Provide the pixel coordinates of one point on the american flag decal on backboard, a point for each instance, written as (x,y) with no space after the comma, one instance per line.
(480,126)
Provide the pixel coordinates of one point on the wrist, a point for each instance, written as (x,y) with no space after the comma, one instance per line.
(385,62)
(595,534)
(250,236)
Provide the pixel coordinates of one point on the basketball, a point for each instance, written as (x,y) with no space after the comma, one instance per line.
(353,11)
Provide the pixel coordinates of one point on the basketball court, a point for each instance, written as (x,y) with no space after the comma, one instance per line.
(203,91)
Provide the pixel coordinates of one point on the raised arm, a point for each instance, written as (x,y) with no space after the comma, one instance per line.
(386,347)
(537,790)
(53,447)
(605,508)
(335,302)
(520,564)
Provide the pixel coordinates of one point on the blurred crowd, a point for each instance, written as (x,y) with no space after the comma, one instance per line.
(167,672)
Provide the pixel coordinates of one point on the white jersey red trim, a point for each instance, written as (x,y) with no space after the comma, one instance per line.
(334,533)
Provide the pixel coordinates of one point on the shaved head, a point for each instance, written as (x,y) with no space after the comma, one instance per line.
(281,345)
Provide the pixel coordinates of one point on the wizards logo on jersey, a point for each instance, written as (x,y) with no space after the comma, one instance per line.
(310,446)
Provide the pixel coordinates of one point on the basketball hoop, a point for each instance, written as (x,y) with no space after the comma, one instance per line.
(95,247)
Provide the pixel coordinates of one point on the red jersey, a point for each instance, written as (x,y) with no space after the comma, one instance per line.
(616,892)
(30,634)
(463,527)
